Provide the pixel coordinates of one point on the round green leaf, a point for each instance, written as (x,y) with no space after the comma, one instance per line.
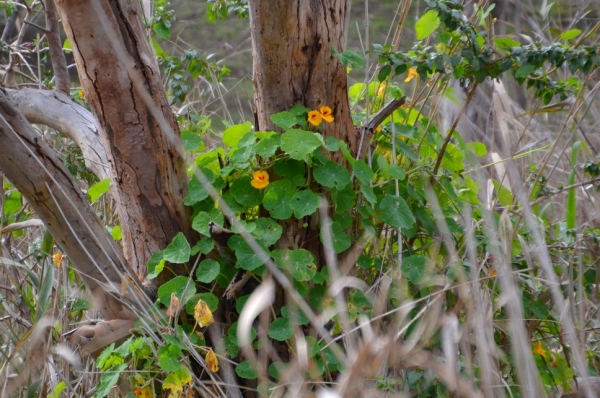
(169,357)
(396,212)
(362,171)
(233,134)
(414,267)
(244,193)
(245,370)
(299,143)
(267,231)
(281,329)
(267,146)
(341,241)
(294,315)
(304,203)
(332,175)
(178,251)
(299,263)
(278,196)
(202,219)
(196,192)
(207,271)
(247,258)
(177,286)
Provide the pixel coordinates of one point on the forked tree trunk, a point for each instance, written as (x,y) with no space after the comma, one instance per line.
(292,42)
(121,81)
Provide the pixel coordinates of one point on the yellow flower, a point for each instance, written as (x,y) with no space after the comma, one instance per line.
(57,259)
(539,349)
(381,90)
(212,361)
(202,314)
(315,118)
(260,179)
(326,114)
(412,73)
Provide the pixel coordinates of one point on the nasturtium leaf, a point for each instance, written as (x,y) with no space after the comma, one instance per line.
(344,199)
(239,157)
(570,34)
(267,231)
(396,213)
(178,251)
(397,172)
(427,24)
(202,219)
(414,267)
(162,31)
(293,170)
(287,119)
(98,189)
(299,263)
(294,315)
(267,146)
(278,196)
(332,175)
(332,144)
(210,299)
(233,134)
(247,258)
(281,329)
(344,219)
(299,143)
(276,369)
(350,58)
(240,302)
(191,140)
(539,309)
(177,286)
(245,370)
(244,193)
(108,380)
(245,226)
(207,271)
(232,203)
(304,203)
(341,241)
(362,171)
(168,356)
(204,246)
(196,192)
(155,265)
(176,380)
(369,194)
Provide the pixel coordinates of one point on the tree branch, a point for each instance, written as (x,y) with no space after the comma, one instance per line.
(366,131)
(59,62)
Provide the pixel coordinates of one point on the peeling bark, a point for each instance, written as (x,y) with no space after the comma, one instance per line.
(58,111)
(292,43)
(117,69)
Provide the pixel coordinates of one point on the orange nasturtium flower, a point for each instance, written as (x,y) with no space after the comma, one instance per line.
(212,361)
(260,179)
(326,114)
(57,259)
(412,73)
(315,118)
(539,349)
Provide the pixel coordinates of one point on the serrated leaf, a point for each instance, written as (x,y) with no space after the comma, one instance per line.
(299,143)
(207,271)
(277,198)
(281,329)
(304,203)
(396,212)
(299,263)
(244,193)
(99,189)
(232,135)
(332,175)
(427,24)
(178,251)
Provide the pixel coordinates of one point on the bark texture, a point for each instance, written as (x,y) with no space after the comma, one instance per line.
(59,62)
(292,43)
(37,172)
(121,81)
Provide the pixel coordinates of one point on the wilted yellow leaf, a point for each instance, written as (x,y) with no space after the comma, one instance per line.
(173,306)
(212,361)
(202,314)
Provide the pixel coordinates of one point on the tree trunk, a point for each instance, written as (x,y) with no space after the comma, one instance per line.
(292,42)
(121,81)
